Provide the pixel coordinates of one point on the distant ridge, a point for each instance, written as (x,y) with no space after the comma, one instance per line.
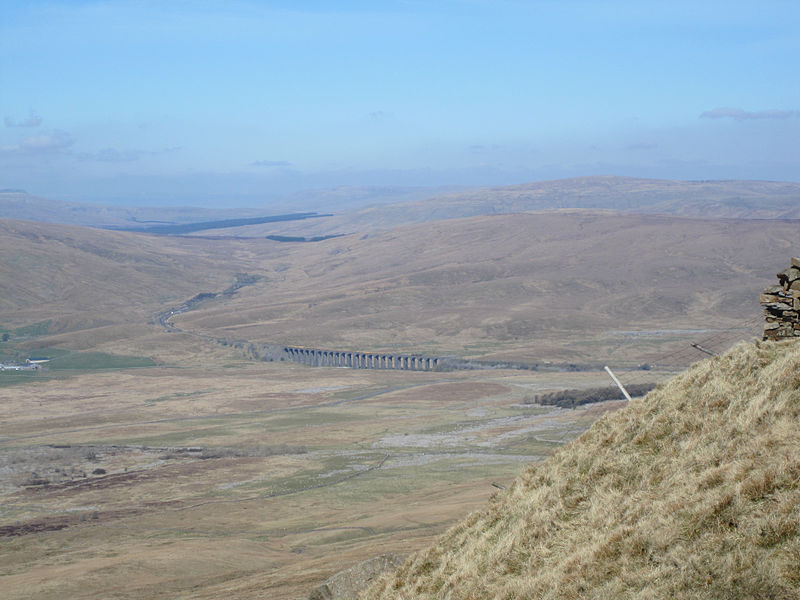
(717,199)
(691,492)
(694,199)
(364,210)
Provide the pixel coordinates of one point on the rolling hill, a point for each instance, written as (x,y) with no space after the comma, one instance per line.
(527,287)
(718,199)
(363,210)
(707,199)
(83,288)
(55,269)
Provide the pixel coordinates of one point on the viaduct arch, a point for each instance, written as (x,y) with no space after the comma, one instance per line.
(361,360)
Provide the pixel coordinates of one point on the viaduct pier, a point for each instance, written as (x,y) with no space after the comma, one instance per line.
(316,357)
(361,360)
(350,359)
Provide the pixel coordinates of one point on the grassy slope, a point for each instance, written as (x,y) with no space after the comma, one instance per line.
(59,269)
(87,289)
(689,492)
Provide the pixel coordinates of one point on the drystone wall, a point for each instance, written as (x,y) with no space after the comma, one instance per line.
(782,305)
(348,584)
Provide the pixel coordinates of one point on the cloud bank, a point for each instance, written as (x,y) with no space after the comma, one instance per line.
(739,114)
(33,120)
(270,163)
(112,155)
(47,143)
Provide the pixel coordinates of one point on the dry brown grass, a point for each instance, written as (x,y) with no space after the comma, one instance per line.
(690,492)
(194,503)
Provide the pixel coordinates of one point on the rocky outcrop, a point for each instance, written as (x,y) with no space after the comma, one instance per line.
(782,305)
(348,584)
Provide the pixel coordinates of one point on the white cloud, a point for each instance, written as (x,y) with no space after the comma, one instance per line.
(47,143)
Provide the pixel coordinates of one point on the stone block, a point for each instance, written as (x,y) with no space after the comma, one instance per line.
(788,276)
(781,305)
(769,298)
(777,308)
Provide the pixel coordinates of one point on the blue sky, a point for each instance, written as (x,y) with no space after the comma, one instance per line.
(242,102)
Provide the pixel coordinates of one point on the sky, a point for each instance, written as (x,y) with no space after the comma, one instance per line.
(240,103)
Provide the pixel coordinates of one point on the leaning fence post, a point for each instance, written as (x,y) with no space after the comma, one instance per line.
(619,385)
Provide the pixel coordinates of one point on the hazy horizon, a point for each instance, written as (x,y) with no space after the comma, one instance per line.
(244,103)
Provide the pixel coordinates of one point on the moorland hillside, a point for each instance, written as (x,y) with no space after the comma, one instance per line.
(714,198)
(690,492)
(512,287)
(556,285)
(80,278)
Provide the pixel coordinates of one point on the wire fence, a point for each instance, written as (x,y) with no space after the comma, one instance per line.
(688,352)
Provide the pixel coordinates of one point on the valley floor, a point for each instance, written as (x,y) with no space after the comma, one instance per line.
(253,479)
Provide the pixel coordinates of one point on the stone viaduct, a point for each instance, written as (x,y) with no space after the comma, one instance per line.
(361,360)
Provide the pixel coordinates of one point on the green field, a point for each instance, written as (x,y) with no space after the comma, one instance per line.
(94,361)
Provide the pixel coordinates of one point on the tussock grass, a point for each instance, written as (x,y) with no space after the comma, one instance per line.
(691,491)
